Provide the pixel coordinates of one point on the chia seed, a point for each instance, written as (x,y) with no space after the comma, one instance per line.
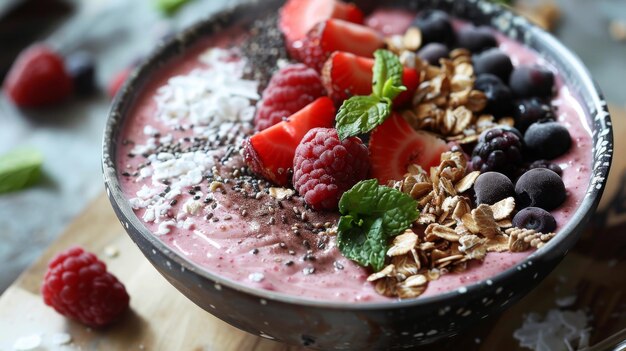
(289,263)
(254,251)
(173,202)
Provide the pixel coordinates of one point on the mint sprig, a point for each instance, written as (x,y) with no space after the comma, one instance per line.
(19,169)
(360,114)
(371,215)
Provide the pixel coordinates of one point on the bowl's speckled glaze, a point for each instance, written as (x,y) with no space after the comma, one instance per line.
(333,325)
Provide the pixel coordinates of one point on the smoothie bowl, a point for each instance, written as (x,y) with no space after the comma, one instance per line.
(342,176)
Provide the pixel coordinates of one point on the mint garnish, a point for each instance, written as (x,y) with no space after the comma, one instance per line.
(19,169)
(371,215)
(361,114)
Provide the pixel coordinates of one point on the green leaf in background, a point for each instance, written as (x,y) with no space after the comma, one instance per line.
(19,169)
(360,114)
(169,7)
(387,75)
(371,215)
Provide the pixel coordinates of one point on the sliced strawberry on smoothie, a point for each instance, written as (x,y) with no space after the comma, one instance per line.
(394,145)
(297,17)
(270,152)
(336,35)
(345,74)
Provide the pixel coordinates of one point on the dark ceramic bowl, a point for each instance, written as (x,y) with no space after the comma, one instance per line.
(390,325)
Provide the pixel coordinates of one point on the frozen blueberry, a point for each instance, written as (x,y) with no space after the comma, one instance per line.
(493,61)
(540,187)
(547,140)
(529,111)
(435,26)
(81,67)
(527,81)
(491,187)
(535,218)
(476,39)
(499,97)
(547,164)
(432,52)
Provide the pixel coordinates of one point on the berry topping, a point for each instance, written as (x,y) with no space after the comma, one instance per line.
(498,150)
(540,187)
(499,97)
(546,164)
(269,153)
(432,52)
(476,39)
(289,90)
(491,187)
(38,78)
(535,218)
(527,81)
(81,67)
(325,167)
(530,111)
(435,26)
(336,35)
(297,17)
(345,75)
(493,61)
(78,286)
(547,140)
(394,145)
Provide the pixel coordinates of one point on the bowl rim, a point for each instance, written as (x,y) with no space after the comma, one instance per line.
(588,204)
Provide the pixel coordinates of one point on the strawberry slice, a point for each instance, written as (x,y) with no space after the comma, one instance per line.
(269,153)
(297,17)
(394,145)
(345,74)
(336,35)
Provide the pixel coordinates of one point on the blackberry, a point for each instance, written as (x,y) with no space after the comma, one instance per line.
(498,150)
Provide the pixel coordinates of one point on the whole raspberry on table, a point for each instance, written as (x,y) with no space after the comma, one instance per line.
(326,167)
(498,150)
(78,286)
(290,89)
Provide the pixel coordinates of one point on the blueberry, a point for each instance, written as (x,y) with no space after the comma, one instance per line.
(547,164)
(81,67)
(540,187)
(435,26)
(499,97)
(535,218)
(432,52)
(476,39)
(530,111)
(527,81)
(491,187)
(493,61)
(547,140)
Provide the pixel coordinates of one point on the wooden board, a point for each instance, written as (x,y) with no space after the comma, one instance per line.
(163,319)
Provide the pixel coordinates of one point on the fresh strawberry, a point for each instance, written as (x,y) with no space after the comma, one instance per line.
(394,145)
(297,17)
(345,74)
(38,78)
(270,152)
(336,35)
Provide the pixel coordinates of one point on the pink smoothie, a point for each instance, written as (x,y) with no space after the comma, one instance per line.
(236,229)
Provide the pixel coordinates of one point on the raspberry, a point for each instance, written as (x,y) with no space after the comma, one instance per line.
(498,150)
(78,286)
(38,78)
(289,90)
(326,167)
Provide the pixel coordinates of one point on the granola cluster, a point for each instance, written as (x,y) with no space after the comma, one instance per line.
(450,231)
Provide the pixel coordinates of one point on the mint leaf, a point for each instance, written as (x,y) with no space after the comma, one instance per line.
(170,7)
(361,114)
(19,168)
(371,215)
(387,77)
